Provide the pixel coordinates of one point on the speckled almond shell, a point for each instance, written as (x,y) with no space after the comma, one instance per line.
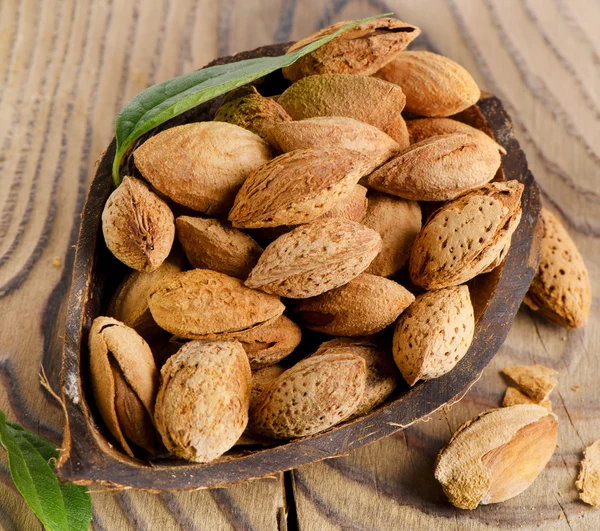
(362,50)
(199,304)
(438,168)
(138,226)
(315,258)
(364,306)
(203,400)
(352,207)
(129,304)
(560,291)
(382,374)
(211,244)
(297,187)
(519,438)
(246,108)
(427,127)
(398,222)
(336,131)
(262,378)
(116,347)
(434,334)
(352,97)
(315,394)
(201,165)
(434,85)
(465,237)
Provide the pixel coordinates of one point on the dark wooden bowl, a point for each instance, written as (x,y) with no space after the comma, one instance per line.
(89,453)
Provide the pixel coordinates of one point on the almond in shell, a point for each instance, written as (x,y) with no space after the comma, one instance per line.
(434,85)
(438,168)
(352,207)
(434,334)
(466,236)
(201,165)
(315,258)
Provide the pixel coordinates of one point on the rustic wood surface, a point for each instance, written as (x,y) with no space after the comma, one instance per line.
(66,68)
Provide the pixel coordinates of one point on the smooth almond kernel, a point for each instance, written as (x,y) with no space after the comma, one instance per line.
(201,165)
(336,131)
(536,381)
(312,396)
(427,127)
(434,85)
(315,258)
(138,226)
(514,396)
(364,306)
(297,187)
(398,222)
(352,207)
(203,400)
(203,304)
(497,455)
(211,244)
(352,97)
(560,291)
(588,481)
(434,334)
(362,50)
(438,168)
(466,236)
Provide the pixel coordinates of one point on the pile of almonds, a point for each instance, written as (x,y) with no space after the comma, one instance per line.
(298,212)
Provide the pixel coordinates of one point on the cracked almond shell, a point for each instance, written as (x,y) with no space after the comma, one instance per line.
(536,381)
(362,50)
(560,291)
(315,258)
(497,455)
(203,304)
(124,383)
(364,306)
(588,480)
(201,165)
(434,85)
(365,99)
(467,236)
(138,226)
(398,222)
(434,334)
(514,396)
(297,187)
(315,394)
(211,244)
(203,400)
(438,168)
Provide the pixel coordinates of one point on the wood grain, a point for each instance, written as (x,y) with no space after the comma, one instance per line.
(67,66)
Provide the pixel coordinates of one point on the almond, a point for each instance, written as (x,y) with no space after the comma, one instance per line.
(352,207)
(210,244)
(199,304)
(262,378)
(497,455)
(588,481)
(428,127)
(514,396)
(382,375)
(536,381)
(124,382)
(315,394)
(297,187)
(138,226)
(466,236)
(434,85)
(129,304)
(363,49)
(203,400)
(438,168)
(560,290)
(364,306)
(365,99)
(398,222)
(336,131)
(434,334)
(315,258)
(201,165)
(246,108)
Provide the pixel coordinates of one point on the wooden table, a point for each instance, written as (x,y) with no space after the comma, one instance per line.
(67,67)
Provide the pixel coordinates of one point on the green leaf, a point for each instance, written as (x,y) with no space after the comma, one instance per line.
(168,99)
(60,507)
